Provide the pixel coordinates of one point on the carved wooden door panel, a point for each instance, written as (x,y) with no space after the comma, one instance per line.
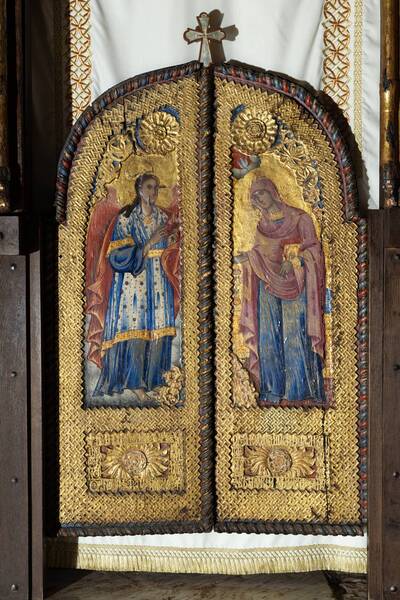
(291,312)
(136,371)
(134,310)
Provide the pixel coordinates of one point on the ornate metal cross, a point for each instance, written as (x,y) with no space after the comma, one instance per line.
(205,34)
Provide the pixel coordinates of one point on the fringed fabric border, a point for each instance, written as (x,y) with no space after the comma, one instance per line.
(251,561)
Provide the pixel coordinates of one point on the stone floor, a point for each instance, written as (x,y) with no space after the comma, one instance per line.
(86,585)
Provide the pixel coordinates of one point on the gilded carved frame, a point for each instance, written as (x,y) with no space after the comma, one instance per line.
(239,86)
(83,432)
(345,192)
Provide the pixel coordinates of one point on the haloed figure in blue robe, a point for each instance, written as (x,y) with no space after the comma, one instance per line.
(140,323)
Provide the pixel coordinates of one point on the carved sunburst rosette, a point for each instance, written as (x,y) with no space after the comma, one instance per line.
(279,461)
(159,132)
(130,462)
(254,130)
(135,461)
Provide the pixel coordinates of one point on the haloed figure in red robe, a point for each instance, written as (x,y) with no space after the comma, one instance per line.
(283,298)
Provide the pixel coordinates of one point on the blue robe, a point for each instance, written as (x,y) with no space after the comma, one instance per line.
(140,322)
(288,366)
(282,313)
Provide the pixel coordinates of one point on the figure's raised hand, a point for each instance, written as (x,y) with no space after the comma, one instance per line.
(159,235)
(286,268)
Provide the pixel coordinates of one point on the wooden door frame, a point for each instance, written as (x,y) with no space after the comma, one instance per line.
(384,319)
(31,76)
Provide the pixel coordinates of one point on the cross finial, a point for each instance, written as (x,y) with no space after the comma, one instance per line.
(209,32)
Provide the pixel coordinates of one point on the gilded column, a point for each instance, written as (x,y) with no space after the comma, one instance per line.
(389,101)
(4,168)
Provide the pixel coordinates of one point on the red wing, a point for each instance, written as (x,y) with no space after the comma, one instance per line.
(102,215)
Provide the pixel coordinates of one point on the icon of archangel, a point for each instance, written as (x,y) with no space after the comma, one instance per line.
(281,292)
(133,289)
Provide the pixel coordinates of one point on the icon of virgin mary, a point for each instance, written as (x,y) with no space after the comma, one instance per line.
(133,292)
(283,298)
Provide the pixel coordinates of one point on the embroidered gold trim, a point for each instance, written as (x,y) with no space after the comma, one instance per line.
(128,241)
(357,71)
(140,334)
(155,253)
(343,22)
(243,561)
(80,56)
(336,63)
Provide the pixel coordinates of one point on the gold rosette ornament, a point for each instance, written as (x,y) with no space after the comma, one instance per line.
(277,461)
(127,461)
(159,132)
(254,130)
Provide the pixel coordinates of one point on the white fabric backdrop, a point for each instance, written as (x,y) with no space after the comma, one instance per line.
(370,98)
(134,36)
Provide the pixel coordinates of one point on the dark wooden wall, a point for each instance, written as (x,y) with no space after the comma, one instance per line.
(384,413)
(36,129)
(384,318)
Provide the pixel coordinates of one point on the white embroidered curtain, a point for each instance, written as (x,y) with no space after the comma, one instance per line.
(334,46)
